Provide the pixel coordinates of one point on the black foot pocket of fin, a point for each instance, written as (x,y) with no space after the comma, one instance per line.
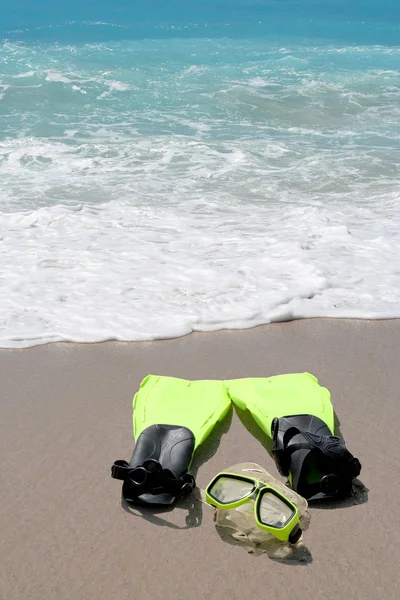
(158,470)
(315,461)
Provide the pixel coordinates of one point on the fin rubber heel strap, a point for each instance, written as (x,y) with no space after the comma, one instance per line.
(151,478)
(345,466)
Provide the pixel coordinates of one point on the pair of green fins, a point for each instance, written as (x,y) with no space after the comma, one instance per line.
(172,417)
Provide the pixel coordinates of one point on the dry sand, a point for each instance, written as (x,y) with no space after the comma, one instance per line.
(66,416)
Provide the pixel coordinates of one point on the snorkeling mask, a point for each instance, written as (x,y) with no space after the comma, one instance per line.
(274,512)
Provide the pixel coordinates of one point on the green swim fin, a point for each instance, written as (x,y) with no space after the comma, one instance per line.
(296,413)
(171,418)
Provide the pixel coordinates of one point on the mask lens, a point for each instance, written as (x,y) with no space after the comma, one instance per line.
(226,489)
(273,511)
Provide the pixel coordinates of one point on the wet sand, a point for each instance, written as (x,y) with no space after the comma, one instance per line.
(66,416)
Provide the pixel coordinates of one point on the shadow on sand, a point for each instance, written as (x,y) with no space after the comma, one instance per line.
(155,514)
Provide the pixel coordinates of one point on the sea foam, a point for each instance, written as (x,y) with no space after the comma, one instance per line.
(195,185)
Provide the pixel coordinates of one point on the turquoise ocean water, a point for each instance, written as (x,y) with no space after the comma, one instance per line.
(196,166)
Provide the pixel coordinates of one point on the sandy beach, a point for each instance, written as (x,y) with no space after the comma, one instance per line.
(66,416)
